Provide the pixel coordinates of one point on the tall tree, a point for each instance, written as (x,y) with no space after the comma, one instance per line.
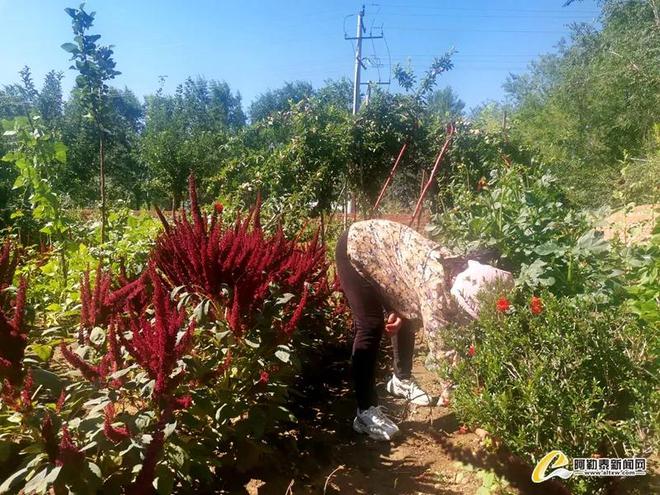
(187,132)
(279,100)
(595,102)
(95,66)
(445,104)
(49,102)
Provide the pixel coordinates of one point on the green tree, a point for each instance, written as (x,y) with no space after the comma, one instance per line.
(279,100)
(123,123)
(592,104)
(188,132)
(50,103)
(446,104)
(95,66)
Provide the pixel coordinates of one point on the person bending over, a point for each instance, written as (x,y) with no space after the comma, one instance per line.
(388,270)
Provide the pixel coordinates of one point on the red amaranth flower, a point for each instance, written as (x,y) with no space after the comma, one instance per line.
(536,305)
(218,207)
(295,318)
(264,377)
(26,393)
(68,453)
(100,303)
(503,304)
(9,395)
(90,372)
(206,256)
(13,338)
(113,433)
(144,480)
(471,350)
(49,437)
(60,402)
(155,345)
(183,402)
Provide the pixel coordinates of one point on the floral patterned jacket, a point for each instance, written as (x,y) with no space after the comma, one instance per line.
(406,268)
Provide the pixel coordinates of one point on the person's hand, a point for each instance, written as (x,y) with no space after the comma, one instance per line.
(393,324)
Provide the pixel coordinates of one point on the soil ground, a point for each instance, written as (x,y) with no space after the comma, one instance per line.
(431,455)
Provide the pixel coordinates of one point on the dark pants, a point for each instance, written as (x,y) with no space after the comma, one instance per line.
(367,307)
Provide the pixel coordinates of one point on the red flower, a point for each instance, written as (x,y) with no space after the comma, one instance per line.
(113,433)
(536,305)
(69,453)
(206,256)
(91,373)
(26,396)
(183,402)
(471,350)
(264,377)
(218,207)
(503,304)
(60,402)
(13,335)
(49,437)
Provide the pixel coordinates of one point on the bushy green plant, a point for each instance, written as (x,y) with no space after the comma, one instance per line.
(644,289)
(525,216)
(556,373)
(155,386)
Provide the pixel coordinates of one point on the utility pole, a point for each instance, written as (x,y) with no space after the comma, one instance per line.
(358,62)
(359,65)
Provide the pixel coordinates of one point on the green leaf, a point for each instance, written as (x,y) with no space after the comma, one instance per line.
(70,47)
(48,379)
(169,429)
(60,152)
(164,482)
(284,299)
(12,480)
(38,483)
(282,355)
(97,336)
(95,469)
(19,182)
(52,476)
(43,351)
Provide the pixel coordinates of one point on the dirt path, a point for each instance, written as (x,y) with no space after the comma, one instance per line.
(431,456)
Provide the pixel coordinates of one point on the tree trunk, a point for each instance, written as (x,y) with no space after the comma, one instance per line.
(102,185)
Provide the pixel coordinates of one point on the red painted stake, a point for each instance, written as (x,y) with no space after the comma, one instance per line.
(418,207)
(390,177)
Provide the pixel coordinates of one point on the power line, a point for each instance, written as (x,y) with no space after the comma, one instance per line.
(469,9)
(461,30)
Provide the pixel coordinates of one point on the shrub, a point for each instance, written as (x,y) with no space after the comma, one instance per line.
(183,370)
(525,216)
(553,373)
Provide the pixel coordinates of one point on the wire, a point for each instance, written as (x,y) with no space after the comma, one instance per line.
(389,57)
(454,30)
(468,9)
(373,44)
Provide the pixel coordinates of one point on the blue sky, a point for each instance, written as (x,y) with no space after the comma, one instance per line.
(257,45)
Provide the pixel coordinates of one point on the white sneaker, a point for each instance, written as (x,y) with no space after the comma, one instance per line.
(409,390)
(375,423)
